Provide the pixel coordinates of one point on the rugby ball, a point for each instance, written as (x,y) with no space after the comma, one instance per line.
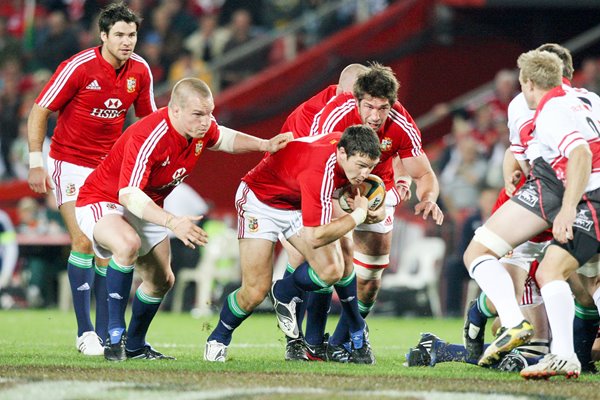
(372,188)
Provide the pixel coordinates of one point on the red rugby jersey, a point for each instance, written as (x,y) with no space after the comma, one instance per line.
(304,120)
(398,135)
(92,100)
(150,155)
(301,176)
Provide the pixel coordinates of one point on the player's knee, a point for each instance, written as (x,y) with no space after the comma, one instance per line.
(81,244)
(168,283)
(485,242)
(253,296)
(331,273)
(369,289)
(128,247)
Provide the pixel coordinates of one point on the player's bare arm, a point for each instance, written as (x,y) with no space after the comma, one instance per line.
(184,227)
(511,171)
(427,187)
(235,142)
(37,125)
(579,168)
(401,179)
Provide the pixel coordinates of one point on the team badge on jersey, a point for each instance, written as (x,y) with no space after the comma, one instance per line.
(252,224)
(199,146)
(386,144)
(131,83)
(70,190)
(111,206)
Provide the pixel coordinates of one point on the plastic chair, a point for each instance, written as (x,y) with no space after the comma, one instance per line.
(219,262)
(419,269)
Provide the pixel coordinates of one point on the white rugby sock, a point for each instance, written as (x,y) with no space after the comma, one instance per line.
(560,308)
(497,284)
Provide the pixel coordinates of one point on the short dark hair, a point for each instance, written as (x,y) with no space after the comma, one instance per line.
(564,54)
(378,81)
(114,13)
(362,140)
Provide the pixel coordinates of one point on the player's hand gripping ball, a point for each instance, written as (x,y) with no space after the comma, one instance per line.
(372,188)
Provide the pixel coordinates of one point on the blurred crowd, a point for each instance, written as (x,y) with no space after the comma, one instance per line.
(178,38)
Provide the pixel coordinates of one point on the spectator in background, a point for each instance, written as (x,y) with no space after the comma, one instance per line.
(205,7)
(455,274)
(42,262)
(181,21)
(187,66)
(58,43)
(151,50)
(506,87)
(19,153)
(242,33)
(10,47)
(9,250)
(589,76)
(494,177)
(208,41)
(170,38)
(10,104)
(461,178)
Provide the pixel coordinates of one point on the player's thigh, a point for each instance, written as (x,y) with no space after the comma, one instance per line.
(557,264)
(79,241)
(256,260)
(510,216)
(327,261)
(295,258)
(372,243)
(114,233)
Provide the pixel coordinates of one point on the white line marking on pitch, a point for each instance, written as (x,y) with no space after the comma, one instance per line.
(94,390)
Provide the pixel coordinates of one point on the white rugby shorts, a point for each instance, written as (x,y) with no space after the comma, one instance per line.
(392,199)
(67,179)
(257,220)
(524,254)
(88,215)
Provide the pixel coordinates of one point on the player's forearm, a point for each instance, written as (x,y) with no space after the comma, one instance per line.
(323,235)
(579,168)
(37,125)
(509,165)
(142,206)
(427,187)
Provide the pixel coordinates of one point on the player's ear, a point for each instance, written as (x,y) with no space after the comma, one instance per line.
(341,154)
(103,36)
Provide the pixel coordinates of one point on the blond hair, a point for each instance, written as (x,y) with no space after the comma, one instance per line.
(542,68)
(187,87)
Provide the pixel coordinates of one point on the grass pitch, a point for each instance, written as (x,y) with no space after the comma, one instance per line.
(38,360)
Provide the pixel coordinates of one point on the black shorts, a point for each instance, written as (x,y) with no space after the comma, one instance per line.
(583,247)
(588,212)
(542,192)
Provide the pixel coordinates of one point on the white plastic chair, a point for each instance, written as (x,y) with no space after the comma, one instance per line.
(419,269)
(219,262)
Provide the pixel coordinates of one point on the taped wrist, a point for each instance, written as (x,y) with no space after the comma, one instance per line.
(359,216)
(36,159)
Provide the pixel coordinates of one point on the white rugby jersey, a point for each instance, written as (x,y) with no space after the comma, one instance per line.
(563,121)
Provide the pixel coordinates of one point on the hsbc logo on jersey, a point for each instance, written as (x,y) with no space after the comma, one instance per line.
(178,176)
(111,111)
